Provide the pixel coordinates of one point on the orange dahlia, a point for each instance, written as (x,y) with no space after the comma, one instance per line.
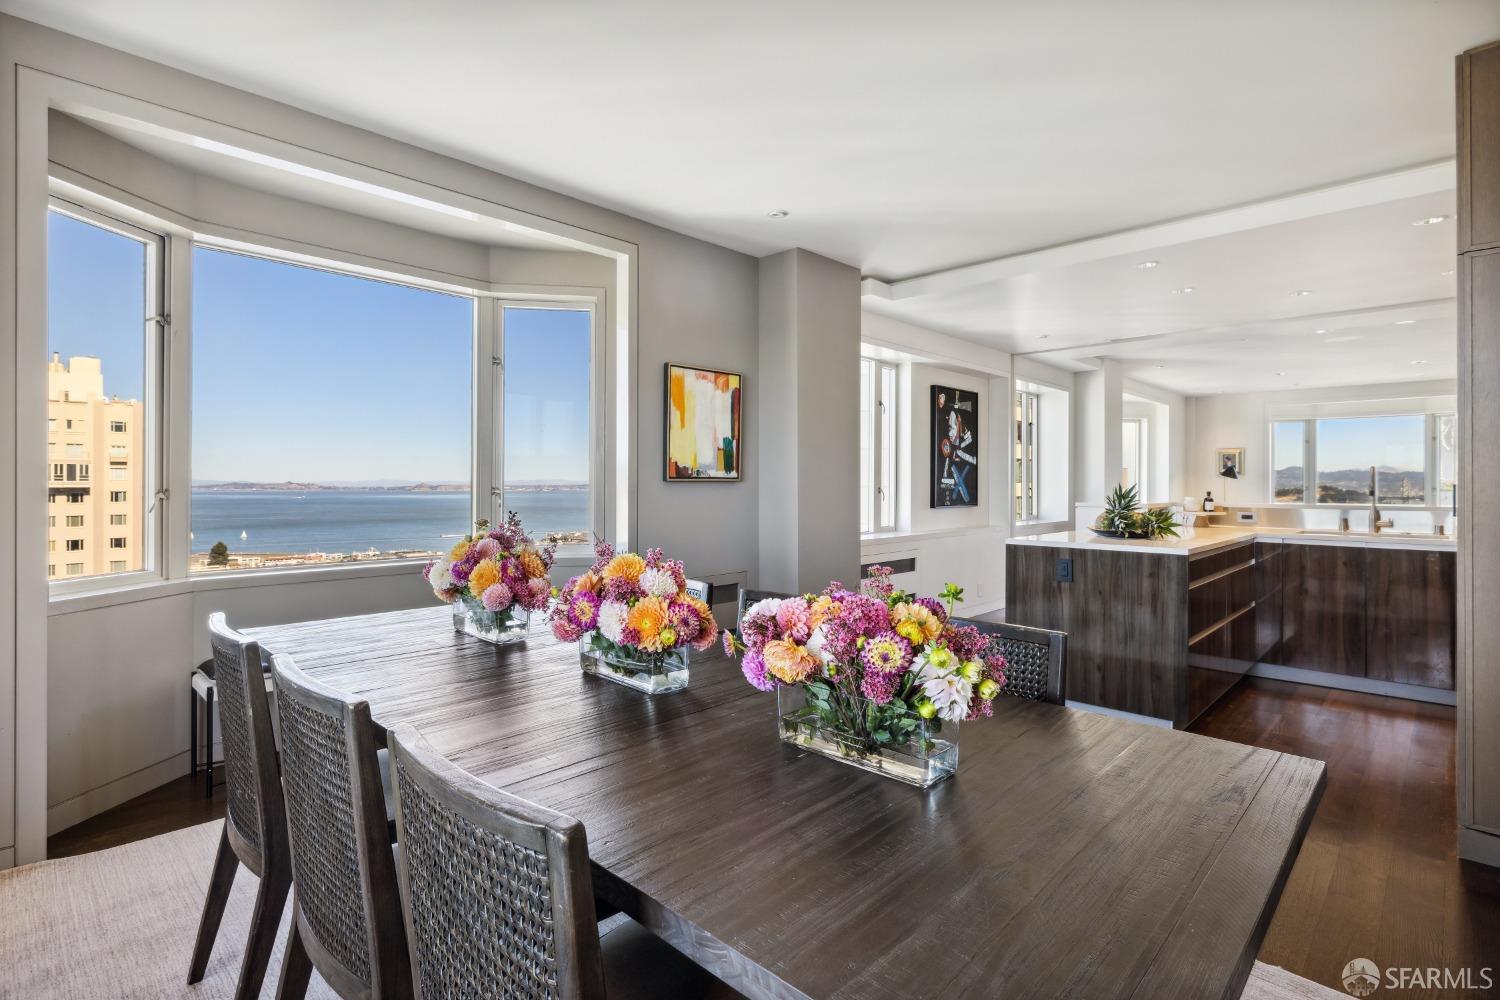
(648,617)
(532,564)
(789,662)
(627,565)
(485,576)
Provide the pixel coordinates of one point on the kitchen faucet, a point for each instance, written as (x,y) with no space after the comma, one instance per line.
(1376,523)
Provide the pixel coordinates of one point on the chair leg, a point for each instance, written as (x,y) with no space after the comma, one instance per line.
(219,884)
(296,967)
(270,904)
(192,729)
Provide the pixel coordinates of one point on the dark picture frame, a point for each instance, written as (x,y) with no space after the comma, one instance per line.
(955,465)
(686,391)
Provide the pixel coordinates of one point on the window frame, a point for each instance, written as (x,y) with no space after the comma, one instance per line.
(1028,465)
(156,390)
(1431,455)
(882,506)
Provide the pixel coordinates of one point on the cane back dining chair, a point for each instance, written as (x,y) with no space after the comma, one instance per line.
(1035,660)
(254,832)
(346,913)
(497,893)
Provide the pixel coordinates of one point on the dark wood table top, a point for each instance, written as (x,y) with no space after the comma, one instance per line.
(1072,855)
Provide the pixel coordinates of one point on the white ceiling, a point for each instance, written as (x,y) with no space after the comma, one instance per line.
(908,139)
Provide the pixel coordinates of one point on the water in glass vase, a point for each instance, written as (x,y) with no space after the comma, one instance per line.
(653,673)
(899,744)
(498,627)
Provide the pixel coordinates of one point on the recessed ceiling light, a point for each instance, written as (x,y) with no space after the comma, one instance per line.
(1320,331)
(1447,274)
(1432,220)
(1147,265)
(777,213)
(1158,366)
(1281,373)
(1342,340)
(1405,322)
(1419,362)
(1183,291)
(1302,291)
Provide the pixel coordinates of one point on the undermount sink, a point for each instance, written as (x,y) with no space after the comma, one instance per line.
(1335,533)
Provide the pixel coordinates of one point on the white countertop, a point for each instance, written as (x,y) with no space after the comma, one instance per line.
(1199,541)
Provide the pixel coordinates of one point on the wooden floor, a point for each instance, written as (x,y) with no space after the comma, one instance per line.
(1377,878)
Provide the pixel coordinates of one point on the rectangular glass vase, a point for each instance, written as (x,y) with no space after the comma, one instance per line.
(500,628)
(923,757)
(653,673)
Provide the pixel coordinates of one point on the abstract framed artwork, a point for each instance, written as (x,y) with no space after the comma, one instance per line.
(704,409)
(955,447)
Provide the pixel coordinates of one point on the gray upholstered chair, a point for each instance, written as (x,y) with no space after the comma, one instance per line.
(497,893)
(255,821)
(346,915)
(1035,658)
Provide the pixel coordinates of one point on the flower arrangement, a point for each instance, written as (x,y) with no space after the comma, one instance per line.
(634,615)
(494,578)
(879,669)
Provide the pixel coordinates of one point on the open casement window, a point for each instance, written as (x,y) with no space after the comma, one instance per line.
(106,344)
(877,446)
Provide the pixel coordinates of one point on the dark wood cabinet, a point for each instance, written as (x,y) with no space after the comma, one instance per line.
(1268,586)
(1410,618)
(1323,608)
(1479,149)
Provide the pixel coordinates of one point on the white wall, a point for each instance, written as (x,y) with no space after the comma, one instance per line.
(1169,439)
(1241,420)
(1096,432)
(688,300)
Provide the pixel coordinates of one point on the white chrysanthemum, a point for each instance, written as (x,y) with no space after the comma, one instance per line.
(657,582)
(768,607)
(612,619)
(951,694)
(441,576)
(817,644)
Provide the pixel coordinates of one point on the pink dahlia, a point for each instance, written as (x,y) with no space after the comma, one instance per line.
(565,630)
(497,597)
(794,620)
(583,610)
(486,547)
(754,667)
(684,621)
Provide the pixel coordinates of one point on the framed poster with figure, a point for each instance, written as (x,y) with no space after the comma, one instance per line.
(955,447)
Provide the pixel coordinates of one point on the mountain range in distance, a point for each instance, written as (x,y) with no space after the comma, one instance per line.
(374,485)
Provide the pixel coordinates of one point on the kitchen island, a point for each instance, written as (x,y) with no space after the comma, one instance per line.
(1162,628)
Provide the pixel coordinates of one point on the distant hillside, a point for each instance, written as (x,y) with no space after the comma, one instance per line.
(376,486)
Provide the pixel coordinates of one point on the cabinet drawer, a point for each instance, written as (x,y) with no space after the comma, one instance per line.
(1217,562)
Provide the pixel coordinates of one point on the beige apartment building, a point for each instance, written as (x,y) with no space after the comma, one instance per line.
(95,474)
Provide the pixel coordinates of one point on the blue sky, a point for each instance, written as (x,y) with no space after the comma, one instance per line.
(309,375)
(1398,442)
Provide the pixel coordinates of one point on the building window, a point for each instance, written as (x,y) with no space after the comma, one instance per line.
(51,545)
(117,519)
(118,474)
(1026,405)
(1329,459)
(116,496)
(118,543)
(74,545)
(103,278)
(117,451)
(117,565)
(1135,450)
(369,441)
(545,405)
(877,445)
(51,570)
(51,519)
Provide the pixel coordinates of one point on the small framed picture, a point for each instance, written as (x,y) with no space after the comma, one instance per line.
(1231,464)
(702,439)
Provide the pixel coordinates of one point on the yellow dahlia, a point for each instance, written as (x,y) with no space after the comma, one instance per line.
(485,576)
(532,564)
(626,565)
(458,551)
(789,662)
(648,618)
(823,608)
(929,626)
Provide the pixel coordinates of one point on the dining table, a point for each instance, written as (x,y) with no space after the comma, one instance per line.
(1072,854)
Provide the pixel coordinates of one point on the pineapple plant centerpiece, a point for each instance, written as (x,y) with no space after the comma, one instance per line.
(1124,518)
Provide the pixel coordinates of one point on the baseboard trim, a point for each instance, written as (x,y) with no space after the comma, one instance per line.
(71,812)
(1149,720)
(1318,678)
(1479,846)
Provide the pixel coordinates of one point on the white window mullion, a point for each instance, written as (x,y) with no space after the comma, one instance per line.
(486,447)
